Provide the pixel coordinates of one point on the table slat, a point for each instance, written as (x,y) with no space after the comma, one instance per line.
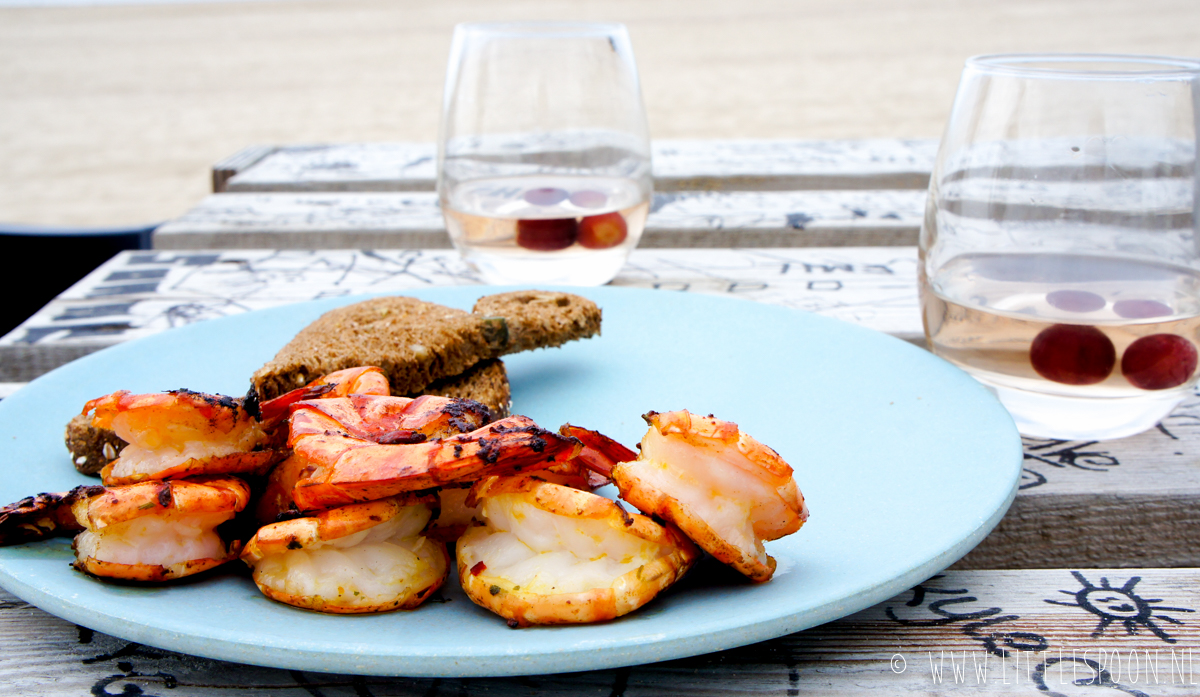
(962,632)
(140,293)
(679,165)
(414,220)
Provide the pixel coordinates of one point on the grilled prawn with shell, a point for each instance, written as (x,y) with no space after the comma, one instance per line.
(182,433)
(364,419)
(360,558)
(455,516)
(340,469)
(551,554)
(157,531)
(149,531)
(728,492)
(42,516)
(179,434)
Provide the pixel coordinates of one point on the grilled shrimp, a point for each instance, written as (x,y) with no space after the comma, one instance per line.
(377,419)
(550,554)
(388,420)
(179,434)
(724,489)
(364,557)
(42,516)
(156,531)
(346,469)
(455,516)
(184,433)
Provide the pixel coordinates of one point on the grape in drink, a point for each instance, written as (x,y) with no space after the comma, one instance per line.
(1071,325)
(576,230)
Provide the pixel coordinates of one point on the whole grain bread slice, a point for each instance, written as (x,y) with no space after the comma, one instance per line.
(413,341)
(91,447)
(540,318)
(485,382)
(417,343)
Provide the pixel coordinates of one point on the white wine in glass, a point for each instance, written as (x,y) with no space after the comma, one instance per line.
(1059,257)
(544,153)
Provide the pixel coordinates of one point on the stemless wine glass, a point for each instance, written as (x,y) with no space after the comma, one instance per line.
(1059,260)
(544,152)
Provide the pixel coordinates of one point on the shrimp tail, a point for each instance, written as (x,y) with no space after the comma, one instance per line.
(366,379)
(600,453)
(273,411)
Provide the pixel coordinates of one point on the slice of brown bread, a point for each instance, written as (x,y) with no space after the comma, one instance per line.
(413,341)
(485,382)
(540,318)
(91,448)
(417,343)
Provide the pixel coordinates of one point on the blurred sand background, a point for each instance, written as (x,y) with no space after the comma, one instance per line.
(114,114)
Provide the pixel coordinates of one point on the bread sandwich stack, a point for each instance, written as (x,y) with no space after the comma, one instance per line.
(425,348)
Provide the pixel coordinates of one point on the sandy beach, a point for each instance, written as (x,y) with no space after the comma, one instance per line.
(114,114)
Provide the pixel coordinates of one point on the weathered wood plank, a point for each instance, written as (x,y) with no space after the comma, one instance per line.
(785,165)
(1051,632)
(1126,502)
(679,165)
(414,221)
(140,293)
(224,170)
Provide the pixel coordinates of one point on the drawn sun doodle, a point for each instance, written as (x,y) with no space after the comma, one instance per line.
(1121,605)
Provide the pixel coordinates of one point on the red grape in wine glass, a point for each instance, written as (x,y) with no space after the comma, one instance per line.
(602,231)
(1159,362)
(1073,354)
(546,234)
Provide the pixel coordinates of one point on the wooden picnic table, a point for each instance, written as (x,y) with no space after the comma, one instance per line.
(1089,584)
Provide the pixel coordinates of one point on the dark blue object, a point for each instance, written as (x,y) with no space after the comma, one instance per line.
(45,260)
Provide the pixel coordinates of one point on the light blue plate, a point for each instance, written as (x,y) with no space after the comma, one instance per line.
(905,462)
